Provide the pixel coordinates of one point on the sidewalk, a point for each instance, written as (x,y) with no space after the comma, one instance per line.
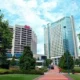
(53,75)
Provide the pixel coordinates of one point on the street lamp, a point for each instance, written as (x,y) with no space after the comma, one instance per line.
(66,49)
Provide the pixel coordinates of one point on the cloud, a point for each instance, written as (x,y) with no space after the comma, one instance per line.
(53,16)
(37,13)
(47,6)
(70,7)
(26,15)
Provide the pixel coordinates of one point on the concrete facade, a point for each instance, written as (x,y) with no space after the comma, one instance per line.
(23,35)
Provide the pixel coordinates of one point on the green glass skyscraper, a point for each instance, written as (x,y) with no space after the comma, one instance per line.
(60,37)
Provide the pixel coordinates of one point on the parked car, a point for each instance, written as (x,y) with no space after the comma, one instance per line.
(52,67)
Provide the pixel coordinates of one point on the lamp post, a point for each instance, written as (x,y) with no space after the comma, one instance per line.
(66,49)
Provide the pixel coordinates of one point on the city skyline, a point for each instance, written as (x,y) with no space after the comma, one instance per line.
(37,13)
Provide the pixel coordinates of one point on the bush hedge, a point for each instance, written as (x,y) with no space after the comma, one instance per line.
(16,70)
(5,71)
(77,69)
(44,69)
(33,72)
(65,71)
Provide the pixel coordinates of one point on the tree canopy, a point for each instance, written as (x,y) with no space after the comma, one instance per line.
(5,33)
(77,61)
(5,38)
(27,61)
(66,61)
(13,61)
(47,62)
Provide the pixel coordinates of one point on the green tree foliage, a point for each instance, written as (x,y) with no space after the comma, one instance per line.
(5,39)
(66,61)
(77,62)
(27,62)
(47,62)
(5,33)
(13,62)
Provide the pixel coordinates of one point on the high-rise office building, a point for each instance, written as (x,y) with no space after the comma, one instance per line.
(78,43)
(60,37)
(23,36)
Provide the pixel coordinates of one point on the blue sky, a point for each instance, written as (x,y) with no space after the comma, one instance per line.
(37,13)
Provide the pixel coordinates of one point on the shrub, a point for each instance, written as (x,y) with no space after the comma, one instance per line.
(14,68)
(77,69)
(27,62)
(65,71)
(37,72)
(5,71)
(33,72)
(16,71)
(66,61)
(13,62)
(44,69)
(5,65)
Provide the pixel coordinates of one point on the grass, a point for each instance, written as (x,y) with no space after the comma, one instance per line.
(17,77)
(75,76)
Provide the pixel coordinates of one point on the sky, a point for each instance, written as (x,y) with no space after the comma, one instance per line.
(37,13)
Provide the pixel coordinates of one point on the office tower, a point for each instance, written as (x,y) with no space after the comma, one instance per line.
(60,37)
(78,43)
(23,36)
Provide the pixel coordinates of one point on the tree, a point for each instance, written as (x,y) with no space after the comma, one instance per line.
(5,39)
(77,62)
(47,62)
(27,62)
(13,62)
(66,61)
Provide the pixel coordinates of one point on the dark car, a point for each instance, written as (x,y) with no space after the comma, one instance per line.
(52,67)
